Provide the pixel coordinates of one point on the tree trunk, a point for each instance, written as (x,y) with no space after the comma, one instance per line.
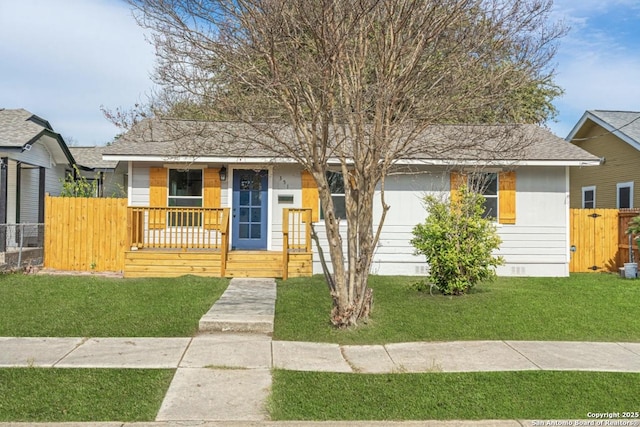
(352,298)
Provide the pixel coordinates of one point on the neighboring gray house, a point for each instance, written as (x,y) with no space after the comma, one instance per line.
(34,159)
(111,180)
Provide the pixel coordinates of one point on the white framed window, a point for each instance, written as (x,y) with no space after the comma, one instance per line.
(185,190)
(336,184)
(624,195)
(486,183)
(185,187)
(589,197)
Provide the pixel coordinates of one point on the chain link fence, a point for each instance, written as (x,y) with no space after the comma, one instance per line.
(21,245)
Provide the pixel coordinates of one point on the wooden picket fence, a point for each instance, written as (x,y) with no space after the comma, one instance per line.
(598,239)
(90,234)
(85,234)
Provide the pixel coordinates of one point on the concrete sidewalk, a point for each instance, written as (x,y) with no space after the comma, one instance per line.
(258,351)
(426,423)
(223,375)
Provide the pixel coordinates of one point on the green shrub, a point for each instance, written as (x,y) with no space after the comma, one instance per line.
(457,242)
(79,186)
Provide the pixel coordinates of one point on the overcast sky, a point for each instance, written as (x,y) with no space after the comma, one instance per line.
(63,59)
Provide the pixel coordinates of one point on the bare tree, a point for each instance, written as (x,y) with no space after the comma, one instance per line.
(353,81)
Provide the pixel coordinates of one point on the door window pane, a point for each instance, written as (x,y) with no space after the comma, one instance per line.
(255,198)
(244,231)
(244,198)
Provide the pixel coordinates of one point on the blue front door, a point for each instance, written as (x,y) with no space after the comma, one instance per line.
(249,216)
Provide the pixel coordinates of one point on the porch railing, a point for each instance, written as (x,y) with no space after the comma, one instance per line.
(178,227)
(296,234)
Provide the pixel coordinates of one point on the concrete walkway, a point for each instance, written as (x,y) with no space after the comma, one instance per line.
(258,351)
(223,375)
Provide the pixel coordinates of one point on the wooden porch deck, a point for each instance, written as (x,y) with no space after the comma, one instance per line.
(165,262)
(90,234)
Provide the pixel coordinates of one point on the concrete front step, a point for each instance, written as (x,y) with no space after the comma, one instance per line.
(210,325)
(248,305)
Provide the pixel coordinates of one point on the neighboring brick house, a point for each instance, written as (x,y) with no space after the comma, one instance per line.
(614,137)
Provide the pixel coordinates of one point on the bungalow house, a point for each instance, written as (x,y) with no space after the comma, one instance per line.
(33,161)
(204,199)
(613,136)
(110,181)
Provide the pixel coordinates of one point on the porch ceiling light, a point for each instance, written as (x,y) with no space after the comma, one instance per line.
(223,173)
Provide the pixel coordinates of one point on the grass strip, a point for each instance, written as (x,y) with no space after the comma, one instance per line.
(449,396)
(92,306)
(582,307)
(62,395)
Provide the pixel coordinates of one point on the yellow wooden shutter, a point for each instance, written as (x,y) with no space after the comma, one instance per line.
(211,188)
(211,197)
(157,197)
(507,197)
(310,194)
(457,179)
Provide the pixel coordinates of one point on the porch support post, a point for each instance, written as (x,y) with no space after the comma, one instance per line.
(18,193)
(42,175)
(4,165)
(41,188)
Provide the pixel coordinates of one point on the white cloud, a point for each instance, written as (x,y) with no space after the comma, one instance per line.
(599,60)
(62,59)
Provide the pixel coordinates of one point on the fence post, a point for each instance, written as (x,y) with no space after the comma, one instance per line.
(21,225)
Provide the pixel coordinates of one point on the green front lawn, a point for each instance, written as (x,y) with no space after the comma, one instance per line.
(451,396)
(590,307)
(583,307)
(63,395)
(91,306)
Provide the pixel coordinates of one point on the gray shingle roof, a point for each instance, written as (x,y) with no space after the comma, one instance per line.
(169,138)
(625,122)
(19,126)
(91,157)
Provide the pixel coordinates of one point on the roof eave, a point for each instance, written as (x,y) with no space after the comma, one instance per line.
(61,144)
(606,126)
(587,115)
(425,162)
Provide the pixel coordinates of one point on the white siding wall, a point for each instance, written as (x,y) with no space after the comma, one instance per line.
(38,155)
(537,244)
(286,181)
(54,177)
(534,246)
(11,191)
(139,185)
(404,194)
(29,195)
